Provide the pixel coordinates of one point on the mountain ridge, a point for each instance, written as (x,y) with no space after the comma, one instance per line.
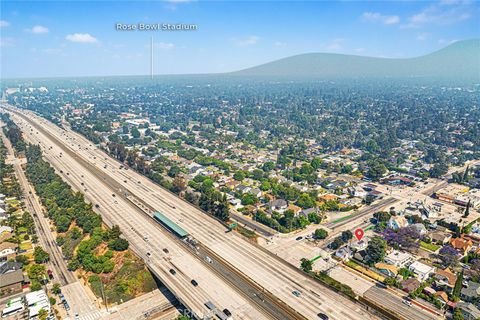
(460,59)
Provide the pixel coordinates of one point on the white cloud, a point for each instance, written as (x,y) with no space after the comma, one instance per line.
(38,29)
(423,36)
(378,17)
(280,44)
(81,38)
(249,41)
(335,45)
(4,23)
(446,13)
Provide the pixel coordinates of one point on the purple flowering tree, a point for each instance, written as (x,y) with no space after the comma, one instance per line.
(404,238)
(449,256)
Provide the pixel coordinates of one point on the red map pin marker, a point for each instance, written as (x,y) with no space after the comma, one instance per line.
(359,234)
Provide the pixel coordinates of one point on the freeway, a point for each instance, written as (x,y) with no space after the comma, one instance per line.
(261,267)
(394,302)
(147,240)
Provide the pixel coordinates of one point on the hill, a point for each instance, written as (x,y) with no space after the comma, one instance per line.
(458,60)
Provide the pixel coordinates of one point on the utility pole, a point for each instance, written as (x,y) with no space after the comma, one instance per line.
(151,58)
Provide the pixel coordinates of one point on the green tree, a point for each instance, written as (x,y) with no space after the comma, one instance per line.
(305,201)
(376,250)
(268,166)
(40,255)
(118,244)
(239,175)
(458,315)
(321,233)
(42,314)
(346,236)
(306,265)
(56,288)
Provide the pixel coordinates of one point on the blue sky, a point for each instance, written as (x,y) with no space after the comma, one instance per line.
(49,38)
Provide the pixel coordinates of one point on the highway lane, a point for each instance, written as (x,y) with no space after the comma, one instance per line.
(394,302)
(136,229)
(270,272)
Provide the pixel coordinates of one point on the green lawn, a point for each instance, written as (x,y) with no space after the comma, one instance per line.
(429,246)
(343,218)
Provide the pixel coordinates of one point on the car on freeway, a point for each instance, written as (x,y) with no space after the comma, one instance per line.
(227,312)
(296,293)
(322,316)
(149,254)
(97,206)
(173,272)
(299,238)
(195,283)
(408,303)
(165,250)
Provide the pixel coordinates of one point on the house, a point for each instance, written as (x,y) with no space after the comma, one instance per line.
(361,256)
(295,209)
(440,237)
(399,180)
(442,296)
(8,250)
(445,279)
(469,311)
(375,194)
(9,266)
(471,293)
(397,222)
(359,245)
(399,259)
(11,282)
(306,212)
(357,192)
(279,205)
(3,214)
(243,189)
(344,253)
(422,271)
(462,244)
(255,192)
(410,285)
(387,269)
(5,235)
(329,197)
(420,228)
(5,229)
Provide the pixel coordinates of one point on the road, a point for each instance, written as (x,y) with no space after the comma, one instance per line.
(80,302)
(262,267)
(147,239)
(394,302)
(253,225)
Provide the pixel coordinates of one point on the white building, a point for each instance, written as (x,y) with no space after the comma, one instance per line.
(422,271)
(399,259)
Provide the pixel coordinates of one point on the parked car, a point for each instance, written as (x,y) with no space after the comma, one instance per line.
(322,316)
